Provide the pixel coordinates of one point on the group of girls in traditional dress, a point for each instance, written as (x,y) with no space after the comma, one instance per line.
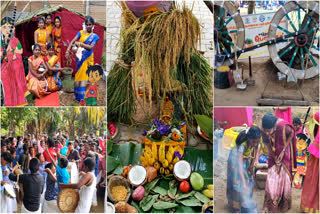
(45,66)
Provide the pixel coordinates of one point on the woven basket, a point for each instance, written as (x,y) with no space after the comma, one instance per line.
(118,180)
(206,206)
(68,200)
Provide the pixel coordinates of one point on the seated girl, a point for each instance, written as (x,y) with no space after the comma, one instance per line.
(54,69)
(36,80)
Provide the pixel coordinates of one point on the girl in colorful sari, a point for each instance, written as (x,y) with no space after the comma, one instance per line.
(279,136)
(240,181)
(54,69)
(36,81)
(49,27)
(310,190)
(41,36)
(56,37)
(12,70)
(84,57)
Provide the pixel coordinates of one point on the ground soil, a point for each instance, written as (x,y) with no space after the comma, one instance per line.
(264,71)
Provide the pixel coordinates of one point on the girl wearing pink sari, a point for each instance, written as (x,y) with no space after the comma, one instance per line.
(279,137)
(12,70)
(310,190)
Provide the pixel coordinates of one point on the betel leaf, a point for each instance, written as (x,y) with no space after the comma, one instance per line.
(193,202)
(204,199)
(147,202)
(206,125)
(150,185)
(136,205)
(161,205)
(185,209)
(173,186)
(158,211)
(187,195)
(160,190)
(112,163)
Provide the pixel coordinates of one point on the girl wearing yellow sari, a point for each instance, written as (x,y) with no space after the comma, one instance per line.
(41,36)
(49,26)
(56,37)
(54,69)
(36,80)
(84,57)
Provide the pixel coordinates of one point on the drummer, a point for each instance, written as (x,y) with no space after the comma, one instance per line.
(32,187)
(87,185)
(8,205)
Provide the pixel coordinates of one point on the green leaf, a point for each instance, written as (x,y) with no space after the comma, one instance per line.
(160,190)
(118,170)
(187,195)
(109,146)
(164,205)
(112,163)
(173,186)
(127,153)
(201,197)
(184,209)
(150,185)
(206,125)
(147,202)
(193,202)
(158,211)
(136,205)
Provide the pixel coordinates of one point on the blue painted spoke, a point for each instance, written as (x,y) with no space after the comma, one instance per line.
(224,39)
(299,19)
(313,46)
(224,49)
(288,49)
(285,30)
(229,32)
(229,20)
(294,56)
(308,22)
(220,15)
(292,25)
(312,29)
(311,57)
(302,60)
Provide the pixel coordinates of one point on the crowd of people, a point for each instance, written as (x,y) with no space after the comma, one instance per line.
(280,136)
(44,65)
(38,167)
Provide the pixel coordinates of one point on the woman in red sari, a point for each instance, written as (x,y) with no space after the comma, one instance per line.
(279,137)
(12,70)
(310,190)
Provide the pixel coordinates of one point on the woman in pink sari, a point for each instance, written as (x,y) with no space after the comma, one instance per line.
(310,190)
(12,70)
(279,137)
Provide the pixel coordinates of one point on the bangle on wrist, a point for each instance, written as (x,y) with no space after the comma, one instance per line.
(283,149)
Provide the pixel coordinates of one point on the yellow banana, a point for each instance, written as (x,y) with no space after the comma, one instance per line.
(171,150)
(151,161)
(169,156)
(210,186)
(165,163)
(154,151)
(208,193)
(162,152)
(143,161)
(175,160)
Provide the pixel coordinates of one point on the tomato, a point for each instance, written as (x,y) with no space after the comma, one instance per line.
(184,186)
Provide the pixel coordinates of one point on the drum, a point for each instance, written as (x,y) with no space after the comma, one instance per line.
(74,172)
(9,191)
(68,200)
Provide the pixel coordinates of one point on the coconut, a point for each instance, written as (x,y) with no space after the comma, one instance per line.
(182,170)
(137,175)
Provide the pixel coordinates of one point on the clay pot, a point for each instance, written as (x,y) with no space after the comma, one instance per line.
(67,82)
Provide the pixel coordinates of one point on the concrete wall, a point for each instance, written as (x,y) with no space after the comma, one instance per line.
(200,10)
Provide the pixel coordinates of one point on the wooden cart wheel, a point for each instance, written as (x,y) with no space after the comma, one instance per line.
(302,37)
(221,8)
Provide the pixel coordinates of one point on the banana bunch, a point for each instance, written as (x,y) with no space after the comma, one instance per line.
(159,159)
(209,191)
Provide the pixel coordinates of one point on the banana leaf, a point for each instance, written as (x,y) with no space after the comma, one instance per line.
(201,162)
(206,125)
(127,153)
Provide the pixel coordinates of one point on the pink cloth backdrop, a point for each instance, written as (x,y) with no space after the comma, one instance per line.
(137,7)
(235,116)
(284,114)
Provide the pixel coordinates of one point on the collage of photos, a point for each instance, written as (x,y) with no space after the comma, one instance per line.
(159,106)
